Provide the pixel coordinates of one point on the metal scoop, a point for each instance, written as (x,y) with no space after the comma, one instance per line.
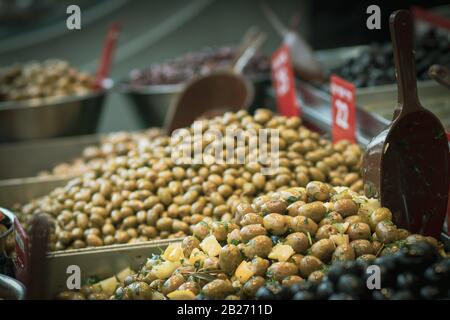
(407,165)
(218,92)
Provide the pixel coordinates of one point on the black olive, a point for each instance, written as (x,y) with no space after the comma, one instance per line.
(403,295)
(325,289)
(407,280)
(340,296)
(303,295)
(431,276)
(429,293)
(351,285)
(383,294)
(335,272)
(264,293)
(351,267)
(311,286)
(285,293)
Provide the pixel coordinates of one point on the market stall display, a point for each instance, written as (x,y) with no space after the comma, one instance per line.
(144,195)
(223,200)
(280,239)
(375,66)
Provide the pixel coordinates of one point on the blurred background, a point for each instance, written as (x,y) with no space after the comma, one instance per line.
(154,31)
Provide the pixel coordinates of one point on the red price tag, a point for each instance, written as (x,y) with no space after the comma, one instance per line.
(22,247)
(343,110)
(284,83)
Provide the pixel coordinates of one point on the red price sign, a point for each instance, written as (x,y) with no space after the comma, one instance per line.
(22,245)
(284,83)
(343,109)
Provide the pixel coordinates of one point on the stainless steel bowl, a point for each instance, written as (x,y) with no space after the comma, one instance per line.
(50,117)
(152,102)
(11,289)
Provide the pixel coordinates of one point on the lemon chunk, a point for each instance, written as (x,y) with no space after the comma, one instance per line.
(211,246)
(281,252)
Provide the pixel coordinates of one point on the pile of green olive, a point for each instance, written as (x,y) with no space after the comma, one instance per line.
(282,238)
(145,195)
(111,145)
(37,80)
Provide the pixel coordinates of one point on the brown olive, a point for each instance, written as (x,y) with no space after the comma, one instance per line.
(94,240)
(303,224)
(229,258)
(318,190)
(358,231)
(316,276)
(218,289)
(362,247)
(345,207)
(251,218)
(379,215)
(325,231)
(252,285)
(250,231)
(172,284)
(281,270)
(343,252)
(188,244)
(293,208)
(386,231)
(298,241)
(323,249)
(314,210)
(275,223)
(259,266)
(259,246)
(308,265)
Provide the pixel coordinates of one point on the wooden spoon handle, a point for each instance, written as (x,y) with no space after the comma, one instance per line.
(401,26)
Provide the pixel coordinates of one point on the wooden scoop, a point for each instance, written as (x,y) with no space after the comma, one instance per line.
(217,92)
(407,165)
(37,279)
(440,74)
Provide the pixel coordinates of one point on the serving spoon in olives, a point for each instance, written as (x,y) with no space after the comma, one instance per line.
(407,164)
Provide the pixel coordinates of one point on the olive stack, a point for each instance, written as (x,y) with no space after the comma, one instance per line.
(37,80)
(375,66)
(417,271)
(195,63)
(112,145)
(282,238)
(144,195)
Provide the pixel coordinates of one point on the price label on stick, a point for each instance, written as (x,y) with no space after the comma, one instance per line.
(343,109)
(22,247)
(284,83)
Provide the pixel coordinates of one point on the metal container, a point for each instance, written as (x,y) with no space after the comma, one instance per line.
(152,102)
(11,289)
(21,191)
(101,262)
(45,153)
(382,100)
(66,116)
